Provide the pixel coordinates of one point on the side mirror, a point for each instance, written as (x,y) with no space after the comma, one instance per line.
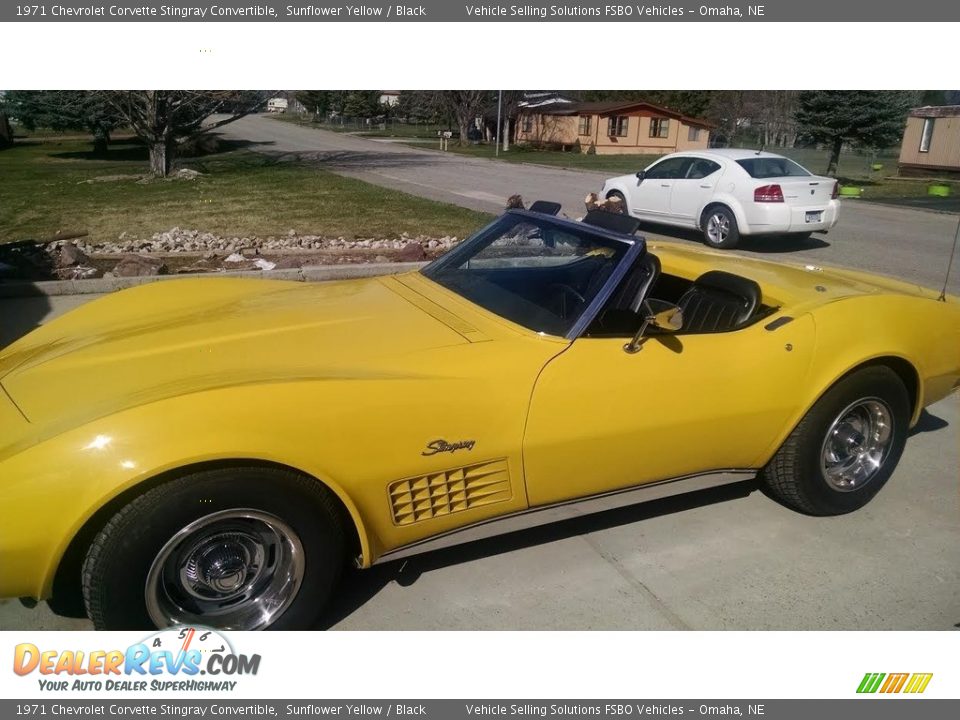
(661,315)
(640,176)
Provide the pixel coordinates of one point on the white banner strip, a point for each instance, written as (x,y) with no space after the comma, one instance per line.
(441,665)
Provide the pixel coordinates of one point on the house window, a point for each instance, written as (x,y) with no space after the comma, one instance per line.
(693,134)
(659,127)
(526,124)
(584,127)
(617,126)
(927,134)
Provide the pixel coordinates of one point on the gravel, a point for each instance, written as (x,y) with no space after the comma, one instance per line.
(182,240)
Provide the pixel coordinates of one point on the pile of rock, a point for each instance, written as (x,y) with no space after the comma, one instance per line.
(71,263)
(192,251)
(179,240)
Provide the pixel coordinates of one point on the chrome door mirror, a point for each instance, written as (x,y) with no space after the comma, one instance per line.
(660,314)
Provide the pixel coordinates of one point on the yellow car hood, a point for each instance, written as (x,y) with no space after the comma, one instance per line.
(171,338)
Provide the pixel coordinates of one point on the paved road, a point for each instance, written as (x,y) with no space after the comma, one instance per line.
(726,559)
(903,242)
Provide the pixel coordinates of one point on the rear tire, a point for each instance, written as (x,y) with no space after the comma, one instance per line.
(845,448)
(720,229)
(233,549)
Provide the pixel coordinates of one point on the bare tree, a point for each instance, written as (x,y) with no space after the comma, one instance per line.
(463,106)
(162,118)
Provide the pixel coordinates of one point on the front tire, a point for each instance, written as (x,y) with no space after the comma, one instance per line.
(845,448)
(720,229)
(232,549)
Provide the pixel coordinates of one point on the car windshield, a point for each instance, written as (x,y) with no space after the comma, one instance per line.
(537,272)
(772,167)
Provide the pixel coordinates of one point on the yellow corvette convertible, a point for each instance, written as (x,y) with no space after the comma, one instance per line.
(213,451)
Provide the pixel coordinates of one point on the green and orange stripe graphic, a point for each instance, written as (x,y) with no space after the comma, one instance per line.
(894,682)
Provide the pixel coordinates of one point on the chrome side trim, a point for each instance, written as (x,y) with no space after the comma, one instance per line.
(546,514)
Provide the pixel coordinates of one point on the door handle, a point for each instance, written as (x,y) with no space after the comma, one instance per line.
(664,184)
(706,187)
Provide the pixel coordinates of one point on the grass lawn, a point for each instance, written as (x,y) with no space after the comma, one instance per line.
(614,164)
(240,193)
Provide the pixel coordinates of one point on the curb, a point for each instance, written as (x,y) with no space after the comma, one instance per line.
(310,273)
(903,206)
(566,168)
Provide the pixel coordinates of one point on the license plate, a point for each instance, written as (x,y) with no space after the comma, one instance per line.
(814,216)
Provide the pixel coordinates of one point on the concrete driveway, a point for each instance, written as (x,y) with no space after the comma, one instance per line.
(722,559)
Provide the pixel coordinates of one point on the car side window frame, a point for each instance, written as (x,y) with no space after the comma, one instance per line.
(713,166)
(675,174)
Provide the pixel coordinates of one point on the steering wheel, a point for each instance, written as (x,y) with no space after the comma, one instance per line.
(565,291)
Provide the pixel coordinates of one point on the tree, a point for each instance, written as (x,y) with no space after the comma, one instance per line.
(873,119)
(362,103)
(162,118)
(463,106)
(421,106)
(6,133)
(454,107)
(316,101)
(65,110)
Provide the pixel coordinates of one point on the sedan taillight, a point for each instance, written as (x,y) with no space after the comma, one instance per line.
(768,193)
(836,190)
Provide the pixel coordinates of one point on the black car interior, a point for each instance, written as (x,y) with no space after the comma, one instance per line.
(547,207)
(616,222)
(716,301)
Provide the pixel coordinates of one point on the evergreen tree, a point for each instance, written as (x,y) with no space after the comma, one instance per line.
(317,102)
(872,119)
(362,104)
(64,110)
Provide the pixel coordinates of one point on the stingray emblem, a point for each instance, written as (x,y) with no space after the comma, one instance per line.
(439,446)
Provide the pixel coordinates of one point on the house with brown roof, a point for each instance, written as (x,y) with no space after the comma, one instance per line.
(931,142)
(612,128)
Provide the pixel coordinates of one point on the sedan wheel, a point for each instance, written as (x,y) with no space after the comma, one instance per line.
(720,228)
(230,549)
(846,447)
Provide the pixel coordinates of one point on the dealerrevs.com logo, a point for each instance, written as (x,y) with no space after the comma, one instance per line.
(171,660)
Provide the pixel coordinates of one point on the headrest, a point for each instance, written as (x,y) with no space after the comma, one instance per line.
(730,283)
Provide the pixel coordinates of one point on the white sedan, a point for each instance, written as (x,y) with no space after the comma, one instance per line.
(730,193)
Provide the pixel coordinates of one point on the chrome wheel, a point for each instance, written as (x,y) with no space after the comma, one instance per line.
(718,228)
(234,570)
(857,444)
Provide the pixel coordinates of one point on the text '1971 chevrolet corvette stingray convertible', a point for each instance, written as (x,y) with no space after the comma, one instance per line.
(213,451)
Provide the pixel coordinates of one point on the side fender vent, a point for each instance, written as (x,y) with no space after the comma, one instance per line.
(449,491)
